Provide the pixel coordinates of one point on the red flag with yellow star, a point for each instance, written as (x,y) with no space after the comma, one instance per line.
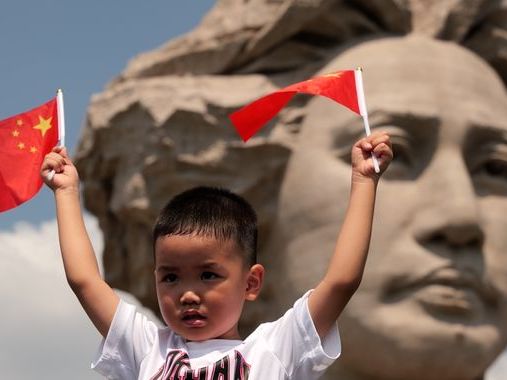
(341,86)
(24,141)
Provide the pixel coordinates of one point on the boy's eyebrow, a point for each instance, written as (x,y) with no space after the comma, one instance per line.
(166,268)
(211,265)
(169,268)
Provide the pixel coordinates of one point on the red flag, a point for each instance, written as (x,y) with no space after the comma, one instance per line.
(339,86)
(24,141)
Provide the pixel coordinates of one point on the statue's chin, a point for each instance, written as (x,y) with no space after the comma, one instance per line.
(423,338)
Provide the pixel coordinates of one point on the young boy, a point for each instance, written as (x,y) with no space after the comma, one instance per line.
(205,269)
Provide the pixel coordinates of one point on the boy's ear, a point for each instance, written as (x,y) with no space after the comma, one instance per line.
(254,282)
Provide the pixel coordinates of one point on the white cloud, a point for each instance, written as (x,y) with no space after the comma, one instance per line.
(44,332)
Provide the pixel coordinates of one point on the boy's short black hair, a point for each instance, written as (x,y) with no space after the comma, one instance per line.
(212,212)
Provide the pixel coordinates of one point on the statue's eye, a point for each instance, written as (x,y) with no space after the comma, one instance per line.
(413,140)
(496,168)
(404,153)
(489,169)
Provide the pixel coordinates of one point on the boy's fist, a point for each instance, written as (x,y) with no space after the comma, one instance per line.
(65,174)
(378,143)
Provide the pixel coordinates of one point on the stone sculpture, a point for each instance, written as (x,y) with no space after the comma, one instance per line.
(433,303)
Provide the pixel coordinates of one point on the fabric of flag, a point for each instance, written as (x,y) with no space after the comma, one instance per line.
(339,86)
(24,141)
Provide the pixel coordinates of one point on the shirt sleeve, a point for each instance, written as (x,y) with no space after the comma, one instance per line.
(294,340)
(128,341)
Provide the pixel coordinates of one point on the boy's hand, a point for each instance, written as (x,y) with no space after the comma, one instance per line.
(362,163)
(66,177)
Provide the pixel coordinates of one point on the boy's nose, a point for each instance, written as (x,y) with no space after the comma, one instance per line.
(189,297)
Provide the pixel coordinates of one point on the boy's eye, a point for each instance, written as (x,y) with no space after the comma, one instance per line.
(209,276)
(170,277)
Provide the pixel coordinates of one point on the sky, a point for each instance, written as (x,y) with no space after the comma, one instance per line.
(78,46)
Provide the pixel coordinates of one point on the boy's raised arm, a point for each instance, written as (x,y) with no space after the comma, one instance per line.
(346,267)
(81,269)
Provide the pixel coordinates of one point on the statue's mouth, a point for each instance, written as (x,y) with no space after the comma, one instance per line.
(448,288)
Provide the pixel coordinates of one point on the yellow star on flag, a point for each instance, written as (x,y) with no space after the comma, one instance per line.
(19,122)
(21,145)
(15,133)
(44,125)
(33,149)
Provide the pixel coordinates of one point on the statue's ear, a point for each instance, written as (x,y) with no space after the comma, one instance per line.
(292,118)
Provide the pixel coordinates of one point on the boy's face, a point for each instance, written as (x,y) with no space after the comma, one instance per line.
(202,284)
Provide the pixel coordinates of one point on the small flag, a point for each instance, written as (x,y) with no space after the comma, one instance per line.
(24,141)
(339,86)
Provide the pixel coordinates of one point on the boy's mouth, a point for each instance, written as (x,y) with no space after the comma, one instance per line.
(192,318)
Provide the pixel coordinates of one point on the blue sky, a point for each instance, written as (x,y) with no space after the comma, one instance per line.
(78,46)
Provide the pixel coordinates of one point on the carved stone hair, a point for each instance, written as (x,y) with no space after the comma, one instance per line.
(161,127)
(240,36)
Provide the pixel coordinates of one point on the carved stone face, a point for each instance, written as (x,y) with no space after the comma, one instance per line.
(433,301)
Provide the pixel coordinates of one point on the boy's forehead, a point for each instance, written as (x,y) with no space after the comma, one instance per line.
(195,248)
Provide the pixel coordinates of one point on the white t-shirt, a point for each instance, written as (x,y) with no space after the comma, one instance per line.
(289,348)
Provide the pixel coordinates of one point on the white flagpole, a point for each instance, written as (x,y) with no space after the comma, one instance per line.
(358,74)
(61,117)
(61,125)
